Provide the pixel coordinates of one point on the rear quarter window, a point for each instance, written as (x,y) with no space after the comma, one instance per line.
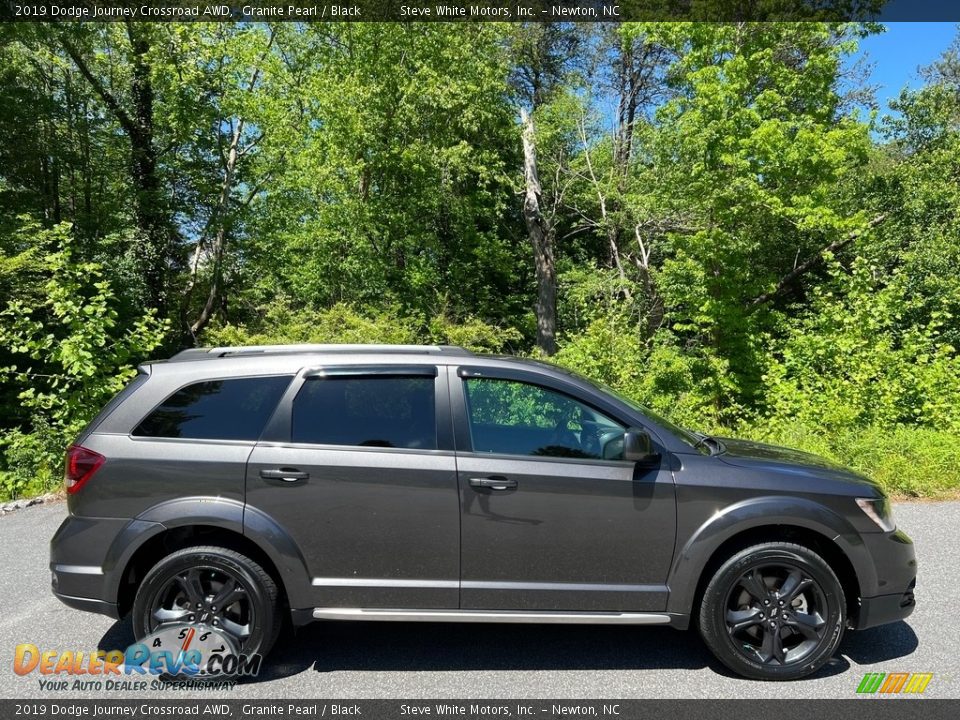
(234,409)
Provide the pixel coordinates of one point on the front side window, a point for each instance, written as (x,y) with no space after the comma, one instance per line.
(390,412)
(236,409)
(516,418)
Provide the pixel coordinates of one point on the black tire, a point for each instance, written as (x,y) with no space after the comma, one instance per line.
(808,619)
(257,607)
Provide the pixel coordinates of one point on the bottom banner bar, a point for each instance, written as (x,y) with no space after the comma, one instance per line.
(786,709)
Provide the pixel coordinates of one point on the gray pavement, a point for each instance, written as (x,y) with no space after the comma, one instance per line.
(394,660)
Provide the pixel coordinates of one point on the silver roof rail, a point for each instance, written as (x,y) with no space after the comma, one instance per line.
(264,350)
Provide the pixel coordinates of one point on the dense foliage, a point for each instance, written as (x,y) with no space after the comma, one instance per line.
(708,217)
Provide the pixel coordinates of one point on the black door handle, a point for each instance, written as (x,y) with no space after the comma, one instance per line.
(286,474)
(496,482)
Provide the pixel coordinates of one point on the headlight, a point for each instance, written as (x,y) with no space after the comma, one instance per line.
(878,510)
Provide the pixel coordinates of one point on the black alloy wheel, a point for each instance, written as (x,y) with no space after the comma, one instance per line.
(774,611)
(775,614)
(210,587)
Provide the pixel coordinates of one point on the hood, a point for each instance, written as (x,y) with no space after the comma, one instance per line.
(761,456)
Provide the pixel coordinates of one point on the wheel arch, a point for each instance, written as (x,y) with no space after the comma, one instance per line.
(799,521)
(181,523)
(820,544)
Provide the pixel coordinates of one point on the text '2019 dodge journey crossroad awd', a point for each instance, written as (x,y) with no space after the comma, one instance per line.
(230,487)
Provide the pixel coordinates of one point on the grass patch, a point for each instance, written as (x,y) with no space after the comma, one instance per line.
(908,462)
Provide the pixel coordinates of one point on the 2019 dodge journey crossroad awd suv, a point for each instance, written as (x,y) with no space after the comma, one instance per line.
(237,487)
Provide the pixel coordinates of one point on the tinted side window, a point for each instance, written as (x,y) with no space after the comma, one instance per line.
(366,411)
(516,418)
(216,410)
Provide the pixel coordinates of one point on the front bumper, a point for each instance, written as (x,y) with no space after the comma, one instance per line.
(885,609)
(891,597)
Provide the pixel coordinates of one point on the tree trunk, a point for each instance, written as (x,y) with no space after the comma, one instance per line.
(154,228)
(540,232)
(151,219)
(220,236)
(627,91)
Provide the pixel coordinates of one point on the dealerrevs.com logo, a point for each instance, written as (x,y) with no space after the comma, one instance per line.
(172,654)
(899,683)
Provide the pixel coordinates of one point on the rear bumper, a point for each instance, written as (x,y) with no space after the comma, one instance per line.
(89,605)
(896,573)
(87,559)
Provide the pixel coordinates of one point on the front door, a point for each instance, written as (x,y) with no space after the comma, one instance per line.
(551,518)
(365,483)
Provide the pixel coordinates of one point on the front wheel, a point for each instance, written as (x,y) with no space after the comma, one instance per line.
(773,611)
(210,587)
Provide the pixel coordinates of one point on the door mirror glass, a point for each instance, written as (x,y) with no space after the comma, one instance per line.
(637,447)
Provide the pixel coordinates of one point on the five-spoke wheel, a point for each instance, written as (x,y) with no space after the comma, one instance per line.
(773,611)
(211,587)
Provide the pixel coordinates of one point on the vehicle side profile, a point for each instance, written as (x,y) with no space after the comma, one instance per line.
(239,488)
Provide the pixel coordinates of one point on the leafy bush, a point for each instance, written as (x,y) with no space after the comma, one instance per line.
(655,373)
(280,322)
(852,361)
(70,356)
(907,461)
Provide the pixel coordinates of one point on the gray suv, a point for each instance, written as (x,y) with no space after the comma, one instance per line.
(236,488)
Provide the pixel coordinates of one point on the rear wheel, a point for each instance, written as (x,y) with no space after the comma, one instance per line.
(773,612)
(211,587)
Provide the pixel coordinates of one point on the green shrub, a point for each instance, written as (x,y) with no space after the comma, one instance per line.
(280,322)
(854,361)
(33,460)
(70,355)
(656,374)
(907,461)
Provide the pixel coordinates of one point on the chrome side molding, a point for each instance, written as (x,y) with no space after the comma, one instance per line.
(493,616)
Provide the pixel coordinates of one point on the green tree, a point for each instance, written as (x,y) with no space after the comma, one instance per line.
(750,149)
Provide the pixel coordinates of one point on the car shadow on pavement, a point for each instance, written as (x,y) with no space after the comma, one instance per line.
(118,636)
(442,647)
(880,644)
(451,647)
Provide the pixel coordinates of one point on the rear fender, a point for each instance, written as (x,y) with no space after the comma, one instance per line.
(223,513)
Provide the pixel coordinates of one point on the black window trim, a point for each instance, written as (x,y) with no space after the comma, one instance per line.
(371,370)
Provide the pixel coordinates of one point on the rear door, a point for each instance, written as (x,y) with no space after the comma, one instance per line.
(358,467)
(551,517)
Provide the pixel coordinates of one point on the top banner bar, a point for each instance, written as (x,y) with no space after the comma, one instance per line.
(480,11)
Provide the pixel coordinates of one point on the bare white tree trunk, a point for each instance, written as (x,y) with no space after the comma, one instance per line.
(541,234)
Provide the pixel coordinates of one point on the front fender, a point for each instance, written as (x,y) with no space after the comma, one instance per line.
(691,560)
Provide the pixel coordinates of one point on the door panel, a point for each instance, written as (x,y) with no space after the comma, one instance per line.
(358,466)
(561,531)
(378,528)
(571,536)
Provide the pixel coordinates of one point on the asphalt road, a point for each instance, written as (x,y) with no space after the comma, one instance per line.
(394,660)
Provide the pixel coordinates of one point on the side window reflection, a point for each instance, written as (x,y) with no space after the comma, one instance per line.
(515,418)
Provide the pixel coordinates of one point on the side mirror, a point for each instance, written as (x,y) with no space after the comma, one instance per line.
(637,447)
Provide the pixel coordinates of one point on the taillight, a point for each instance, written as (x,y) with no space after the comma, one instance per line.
(80,467)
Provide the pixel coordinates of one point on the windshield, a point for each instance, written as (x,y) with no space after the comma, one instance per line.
(686,435)
(691,438)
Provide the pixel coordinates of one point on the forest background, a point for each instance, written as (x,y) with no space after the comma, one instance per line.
(718,220)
